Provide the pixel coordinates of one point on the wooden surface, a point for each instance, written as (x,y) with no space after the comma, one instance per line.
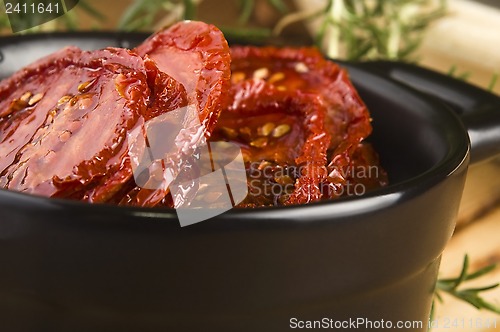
(480,239)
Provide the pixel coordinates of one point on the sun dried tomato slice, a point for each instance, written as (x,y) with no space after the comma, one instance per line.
(283,141)
(197,56)
(305,69)
(314,99)
(356,175)
(70,122)
(64,121)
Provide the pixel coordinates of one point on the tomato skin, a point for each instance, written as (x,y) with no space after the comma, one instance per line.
(313,96)
(297,118)
(124,90)
(308,71)
(197,55)
(72,98)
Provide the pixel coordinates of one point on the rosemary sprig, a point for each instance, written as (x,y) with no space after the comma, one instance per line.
(146,14)
(370,29)
(141,14)
(279,5)
(246,9)
(251,35)
(462,76)
(454,287)
(70,19)
(493,82)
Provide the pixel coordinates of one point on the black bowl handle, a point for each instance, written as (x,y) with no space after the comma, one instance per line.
(478,108)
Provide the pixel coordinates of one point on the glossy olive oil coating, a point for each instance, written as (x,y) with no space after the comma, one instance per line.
(66,121)
(301,126)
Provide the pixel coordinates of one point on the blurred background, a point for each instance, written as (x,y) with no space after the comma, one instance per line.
(460,37)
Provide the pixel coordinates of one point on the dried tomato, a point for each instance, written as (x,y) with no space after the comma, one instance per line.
(197,56)
(323,118)
(70,124)
(64,119)
(67,122)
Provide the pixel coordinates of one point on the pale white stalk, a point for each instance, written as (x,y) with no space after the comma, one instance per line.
(334,33)
(394,36)
(292,18)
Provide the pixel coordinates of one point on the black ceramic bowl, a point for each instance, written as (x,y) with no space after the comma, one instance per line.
(371,260)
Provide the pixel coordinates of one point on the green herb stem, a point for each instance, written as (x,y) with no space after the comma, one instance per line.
(454,287)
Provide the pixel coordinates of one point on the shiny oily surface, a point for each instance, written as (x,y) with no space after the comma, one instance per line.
(297,118)
(349,255)
(64,120)
(196,55)
(300,124)
(67,121)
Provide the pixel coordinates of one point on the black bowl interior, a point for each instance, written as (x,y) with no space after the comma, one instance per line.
(414,135)
(411,132)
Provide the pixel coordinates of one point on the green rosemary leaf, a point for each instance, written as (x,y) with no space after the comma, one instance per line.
(279,5)
(464,76)
(482,272)
(493,82)
(452,70)
(189,10)
(439,297)
(394,28)
(141,14)
(360,51)
(256,35)
(140,23)
(481,289)
(409,49)
(70,21)
(85,6)
(470,295)
(320,35)
(463,274)
(247,7)
(130,15)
